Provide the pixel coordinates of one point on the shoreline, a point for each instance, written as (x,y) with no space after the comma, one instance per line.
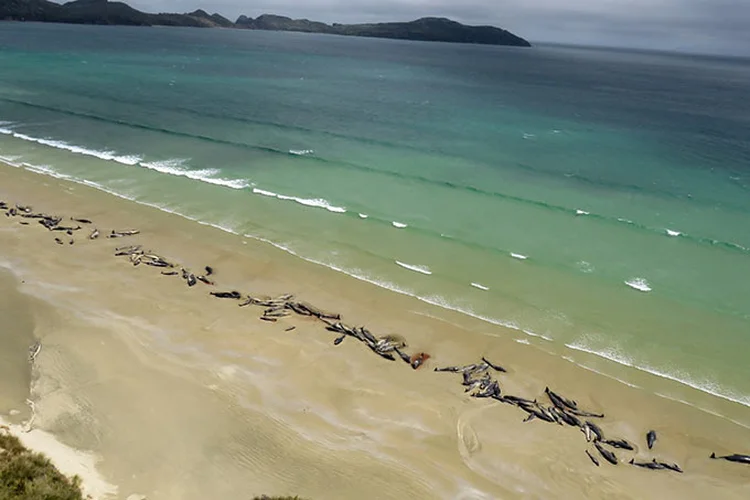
(435,400)
(664,375)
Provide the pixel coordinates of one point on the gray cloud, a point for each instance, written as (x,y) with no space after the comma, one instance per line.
(691,25)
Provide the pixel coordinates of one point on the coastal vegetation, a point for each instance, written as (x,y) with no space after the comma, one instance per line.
(26,475)
(104,12)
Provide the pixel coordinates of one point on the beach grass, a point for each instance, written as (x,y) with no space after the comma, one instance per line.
(26,475)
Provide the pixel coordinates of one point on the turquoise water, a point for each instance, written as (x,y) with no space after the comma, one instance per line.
(595,198)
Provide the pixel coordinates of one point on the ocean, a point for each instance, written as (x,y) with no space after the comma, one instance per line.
(595,201)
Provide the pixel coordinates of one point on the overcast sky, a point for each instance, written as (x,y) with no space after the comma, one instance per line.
(721,26)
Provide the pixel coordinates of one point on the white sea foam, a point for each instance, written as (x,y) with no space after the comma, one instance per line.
(130,160)
(171,167)
(264,192)
(399,225)
(671,232)
(363,216)
(101,154)
(436,300)
(639,284)
(11,160)
(582,212)
(626,221)
(308,202)
(707,386)
(313,202)
(480,286)
(518,256)
(46,170)
(176,166)
(706,410)
(538,335)
(585,267)
(523,341)
(301,152)
(529,136)
(419,269)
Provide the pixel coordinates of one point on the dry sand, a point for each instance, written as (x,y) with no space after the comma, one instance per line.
(176,395)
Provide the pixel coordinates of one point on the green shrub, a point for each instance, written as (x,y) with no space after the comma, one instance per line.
(26,475)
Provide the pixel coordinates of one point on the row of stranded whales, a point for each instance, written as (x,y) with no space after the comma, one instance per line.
(562,411)
(475,377)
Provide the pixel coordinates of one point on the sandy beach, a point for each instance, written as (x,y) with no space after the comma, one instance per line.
(174,394)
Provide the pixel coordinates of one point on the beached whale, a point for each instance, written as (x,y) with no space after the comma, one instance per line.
(157,262)
(618,443)
(608,455)
(50,222)
(593,458)
(518,400)
(654,465)
(67,229)
(566,417)
(404,357)
(595,430)
(339,339)
(120,234)
(740,459)
(418,360)
(651,439)
(646,465)
(227,295)
(560,401)
(495,367)
(127,250)
(82,221)
(209,270)
(305,309)
(94,234)
(541,414)
(488,391)
(582,413)
(275,313)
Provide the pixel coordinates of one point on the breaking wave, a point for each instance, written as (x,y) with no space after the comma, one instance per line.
(308,202)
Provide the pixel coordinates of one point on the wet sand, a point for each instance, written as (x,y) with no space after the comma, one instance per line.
(184,396)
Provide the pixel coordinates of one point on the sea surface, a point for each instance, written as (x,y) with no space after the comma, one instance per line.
(597,202)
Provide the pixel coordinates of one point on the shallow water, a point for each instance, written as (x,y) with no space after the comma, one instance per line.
(597,199)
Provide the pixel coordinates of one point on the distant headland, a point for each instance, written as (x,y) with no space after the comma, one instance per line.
(103,12)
